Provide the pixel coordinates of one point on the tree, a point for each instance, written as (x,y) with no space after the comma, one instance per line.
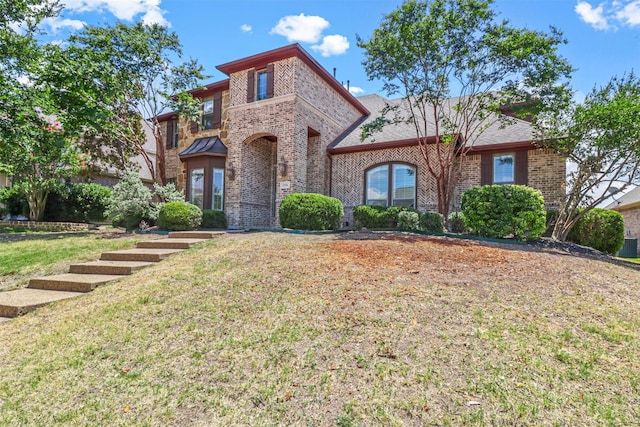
(601,136)
(429,52)
(115,77)
(35,149)
(39,151)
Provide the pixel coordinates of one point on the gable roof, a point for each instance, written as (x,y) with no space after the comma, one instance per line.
(261,60)
(495,137)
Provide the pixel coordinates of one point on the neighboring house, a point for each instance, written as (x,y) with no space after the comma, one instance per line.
(281,124)
(629,207)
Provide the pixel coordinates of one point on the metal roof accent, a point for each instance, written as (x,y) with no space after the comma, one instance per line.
(210,146)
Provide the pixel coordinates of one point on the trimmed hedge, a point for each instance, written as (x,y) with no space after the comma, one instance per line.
(179,216)
(378,216)
(408,220)
(432,222)
(310,211)
(456,223)
(600,229)
(502,211)
(213,219)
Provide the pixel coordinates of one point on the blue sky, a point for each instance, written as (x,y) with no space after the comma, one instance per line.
(603,35)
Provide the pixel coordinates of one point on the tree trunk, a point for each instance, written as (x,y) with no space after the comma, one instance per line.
(37,200)
(161,173)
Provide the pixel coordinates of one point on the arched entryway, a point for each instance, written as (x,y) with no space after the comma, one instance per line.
(259,180)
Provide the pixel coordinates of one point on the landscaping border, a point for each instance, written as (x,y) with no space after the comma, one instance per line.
(49,226)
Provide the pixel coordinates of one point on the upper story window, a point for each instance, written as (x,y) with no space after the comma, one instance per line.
(173,133)
(260,84)
(504,168)
(207,113)
(391,184)
(175,136)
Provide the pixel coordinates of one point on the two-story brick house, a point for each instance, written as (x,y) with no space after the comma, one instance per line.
(281,124)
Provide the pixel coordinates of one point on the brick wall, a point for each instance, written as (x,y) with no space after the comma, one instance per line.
(302,100)
(632,223)
(546,172)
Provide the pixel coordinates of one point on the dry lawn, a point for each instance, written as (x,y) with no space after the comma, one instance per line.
(346,330)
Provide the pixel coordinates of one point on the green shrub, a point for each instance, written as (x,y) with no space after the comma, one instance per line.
(408,220)
(14,201)
(370,216)
(213,219)
(87,202)
(502,211)
(600,229)
(432,222)
(456,222)
(378,216)
(179,216)
(131,201)
(310,211)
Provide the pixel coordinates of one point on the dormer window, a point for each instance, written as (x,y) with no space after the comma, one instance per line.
(260,84)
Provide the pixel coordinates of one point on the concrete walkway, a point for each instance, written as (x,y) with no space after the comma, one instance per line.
(85,277)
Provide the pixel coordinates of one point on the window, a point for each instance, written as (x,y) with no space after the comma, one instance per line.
(197,187)
(261,85)
(217,201)
(175,136)
(503,168)
(392,184)
(207,114)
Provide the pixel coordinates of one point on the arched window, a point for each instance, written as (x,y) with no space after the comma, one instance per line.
(391,184)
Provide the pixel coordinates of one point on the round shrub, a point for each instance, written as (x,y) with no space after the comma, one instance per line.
(502,211)
(432,222)
(88,202)
(310,211)
(213,219)
(179,216)
(408,220)
(370,216)
(456,222)
(600,229)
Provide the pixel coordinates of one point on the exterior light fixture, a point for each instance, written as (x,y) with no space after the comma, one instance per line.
(231,172)
(283,166)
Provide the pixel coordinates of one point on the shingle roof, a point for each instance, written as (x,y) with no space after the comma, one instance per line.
(627,200)
(519,131)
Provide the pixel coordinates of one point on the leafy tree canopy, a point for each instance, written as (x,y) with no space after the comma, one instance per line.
(428,52)
(601,136)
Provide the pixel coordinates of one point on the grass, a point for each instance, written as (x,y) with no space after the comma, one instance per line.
(274,329)
(43,256)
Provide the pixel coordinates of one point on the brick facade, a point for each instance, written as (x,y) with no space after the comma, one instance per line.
(545,170)
(281,144)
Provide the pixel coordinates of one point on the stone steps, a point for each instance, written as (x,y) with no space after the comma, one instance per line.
(195,234)
(21,301)
(108,267)
(170,243)
(85,277)
(139,254)
(71,282)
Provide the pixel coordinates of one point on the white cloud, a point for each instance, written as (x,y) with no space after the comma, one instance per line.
(590,15)
(56,23)
(121,9)
(301,28)
(355,90)
(332,45)
(630,13)
(246,28)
